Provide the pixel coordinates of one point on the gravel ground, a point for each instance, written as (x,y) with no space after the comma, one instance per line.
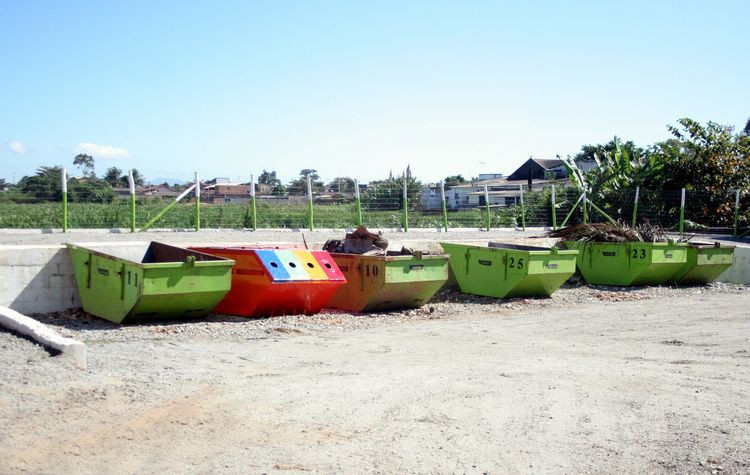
(592,380)
(447,304)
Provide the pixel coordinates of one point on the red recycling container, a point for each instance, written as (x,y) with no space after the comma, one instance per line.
(270,281)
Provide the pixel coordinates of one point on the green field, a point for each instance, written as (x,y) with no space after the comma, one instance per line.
(117,215)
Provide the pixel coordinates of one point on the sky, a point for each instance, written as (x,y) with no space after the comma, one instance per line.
(353,88)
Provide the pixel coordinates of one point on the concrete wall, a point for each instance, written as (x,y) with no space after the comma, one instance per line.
(36,279)
(739,273)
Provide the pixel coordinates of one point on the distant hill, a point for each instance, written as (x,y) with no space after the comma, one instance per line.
(167,180)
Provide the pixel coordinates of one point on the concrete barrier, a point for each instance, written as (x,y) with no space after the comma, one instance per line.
(739,273)
(44,335)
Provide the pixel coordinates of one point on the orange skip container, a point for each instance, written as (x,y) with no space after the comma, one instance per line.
(269,282)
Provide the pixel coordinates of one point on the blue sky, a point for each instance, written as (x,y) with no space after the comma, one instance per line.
(357,88)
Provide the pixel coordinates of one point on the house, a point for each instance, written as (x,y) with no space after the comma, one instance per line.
(489,176)
(532,175)
(162,191)
(585,165)
(539,169)
(121,192)
(431,196)
(223,192)
(497,198)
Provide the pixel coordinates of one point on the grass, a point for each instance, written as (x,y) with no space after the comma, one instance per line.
(117,215)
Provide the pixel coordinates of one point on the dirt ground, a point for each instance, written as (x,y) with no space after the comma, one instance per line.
(608,381)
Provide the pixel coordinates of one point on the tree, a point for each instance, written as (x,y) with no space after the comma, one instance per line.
(309,172)
(269,178)
(342,184)
(85,162)
(93,190)
(113,176)
(709,161)
(594,153)
(3,184)
(389,193)
(278,189)
(137,177)
(299,185)
(454,180)
(706,158)
(746,130)
(45,185)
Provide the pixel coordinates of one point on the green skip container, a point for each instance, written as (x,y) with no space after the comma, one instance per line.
(705,262)
(629,263)
(149,283)
(503,270)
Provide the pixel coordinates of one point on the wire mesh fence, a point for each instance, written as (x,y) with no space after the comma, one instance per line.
(380,205)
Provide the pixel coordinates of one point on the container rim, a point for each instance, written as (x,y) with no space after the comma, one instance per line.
(541,251)
(222,261)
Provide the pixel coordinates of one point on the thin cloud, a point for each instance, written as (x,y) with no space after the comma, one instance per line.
(101,151)
(17,147)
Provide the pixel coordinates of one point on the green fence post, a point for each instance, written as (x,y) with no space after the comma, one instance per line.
(585,209)
(445,207)
(357,203)
(554,208)
(131,185)
(570,213)
(310,216)
(736,210)
(487,208)
(682,211)
(64,179)
(635,205)
(253,210)
(406,206)
(609,218)
(167,208)
(523,209)
(197,202)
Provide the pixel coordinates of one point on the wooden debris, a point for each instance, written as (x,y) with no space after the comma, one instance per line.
(609,232)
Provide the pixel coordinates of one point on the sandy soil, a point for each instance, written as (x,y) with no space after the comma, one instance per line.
(653,384)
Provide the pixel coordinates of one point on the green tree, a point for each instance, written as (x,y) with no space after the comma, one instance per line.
(45,185)
(113,176)
(342,184)
(454,180)
(92,190)
(85,162)
(137,178)
(388,194)
(710,158)
(269,178)
(278,189)
(746,130)
(710,161)
(299,185)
